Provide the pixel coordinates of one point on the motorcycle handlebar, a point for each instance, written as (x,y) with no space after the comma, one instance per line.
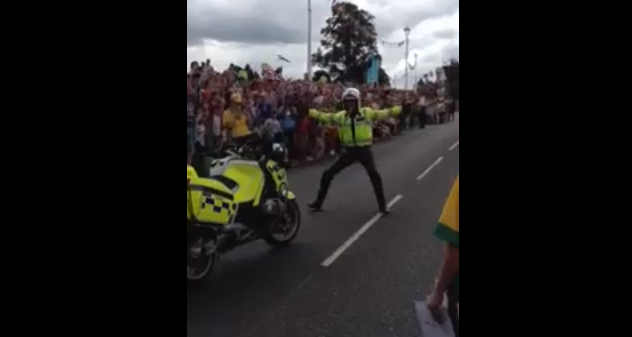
(231,148)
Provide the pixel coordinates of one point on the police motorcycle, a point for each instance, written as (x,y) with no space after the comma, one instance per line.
(243,197)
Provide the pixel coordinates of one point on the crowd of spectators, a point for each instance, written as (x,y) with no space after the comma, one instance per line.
(231,105)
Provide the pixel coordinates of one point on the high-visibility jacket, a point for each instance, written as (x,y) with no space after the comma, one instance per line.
(363,124)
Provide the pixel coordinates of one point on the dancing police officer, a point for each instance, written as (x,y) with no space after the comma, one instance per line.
(355,130)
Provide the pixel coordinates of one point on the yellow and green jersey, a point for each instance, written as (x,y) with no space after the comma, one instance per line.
(448,228)
(363,124)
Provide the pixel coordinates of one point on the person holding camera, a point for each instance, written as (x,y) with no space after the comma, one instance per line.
(447,282)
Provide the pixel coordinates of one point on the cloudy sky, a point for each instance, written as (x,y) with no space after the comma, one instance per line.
(255,31)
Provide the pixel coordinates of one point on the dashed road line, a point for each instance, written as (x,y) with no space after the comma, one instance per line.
(430,168)
(353,239)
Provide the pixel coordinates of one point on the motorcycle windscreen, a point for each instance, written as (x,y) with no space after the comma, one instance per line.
(278,174)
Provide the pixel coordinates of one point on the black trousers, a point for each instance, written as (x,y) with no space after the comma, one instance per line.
(348,157)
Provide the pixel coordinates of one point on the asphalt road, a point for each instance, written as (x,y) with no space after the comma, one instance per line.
(369,290)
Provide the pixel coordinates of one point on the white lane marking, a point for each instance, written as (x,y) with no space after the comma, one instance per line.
(430,168)
(353,239)
(453,147)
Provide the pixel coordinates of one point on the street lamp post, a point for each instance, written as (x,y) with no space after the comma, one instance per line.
(309,40)
(407,33)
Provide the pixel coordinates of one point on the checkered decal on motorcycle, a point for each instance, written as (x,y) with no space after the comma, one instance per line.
(219,206)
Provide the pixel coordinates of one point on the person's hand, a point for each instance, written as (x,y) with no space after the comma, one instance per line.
(435,300)
(434,303)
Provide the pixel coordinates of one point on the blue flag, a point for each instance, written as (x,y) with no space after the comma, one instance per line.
(373,73)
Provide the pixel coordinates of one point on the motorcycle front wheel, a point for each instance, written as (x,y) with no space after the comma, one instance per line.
(285,231)
(201,259)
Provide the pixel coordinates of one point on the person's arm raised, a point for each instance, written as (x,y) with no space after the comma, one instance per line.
(378,115)
(326,118)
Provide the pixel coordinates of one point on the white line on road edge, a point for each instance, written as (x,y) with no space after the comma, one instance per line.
(427,171)
(353,239)
(453,147)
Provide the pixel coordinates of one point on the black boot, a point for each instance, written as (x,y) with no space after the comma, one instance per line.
(325,182)
(382,204)
(315,206)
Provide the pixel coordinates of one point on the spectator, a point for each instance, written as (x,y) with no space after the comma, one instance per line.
(288,124)
(235,121)
(423,111)
(234,103)
(262,107)
(271,129)
(191,108)
(447,281)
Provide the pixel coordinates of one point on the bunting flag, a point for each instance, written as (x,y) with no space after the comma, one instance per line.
(372,76)
(414,65)
(393,44)
(282,58)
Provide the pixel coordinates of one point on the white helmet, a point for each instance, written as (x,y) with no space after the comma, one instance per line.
(351,93)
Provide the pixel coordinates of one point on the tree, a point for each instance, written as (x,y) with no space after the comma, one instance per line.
(349,41)
(251,73)
(385,80)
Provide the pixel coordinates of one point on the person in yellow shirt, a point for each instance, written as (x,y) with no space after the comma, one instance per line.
(448,278)
(235,121)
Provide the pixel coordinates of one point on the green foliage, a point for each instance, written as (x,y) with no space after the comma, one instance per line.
(349,41)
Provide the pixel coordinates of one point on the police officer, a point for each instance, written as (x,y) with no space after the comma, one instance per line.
(355,129)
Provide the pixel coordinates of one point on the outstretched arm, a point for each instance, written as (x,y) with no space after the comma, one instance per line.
(325,118)
(378,115)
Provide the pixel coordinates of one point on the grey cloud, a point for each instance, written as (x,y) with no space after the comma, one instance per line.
(448,52)
(284,21)
(250,31)
(251,22)
(446,34)
(396,18)
(451,52)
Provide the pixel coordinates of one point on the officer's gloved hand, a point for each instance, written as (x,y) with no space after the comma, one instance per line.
(284,164)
